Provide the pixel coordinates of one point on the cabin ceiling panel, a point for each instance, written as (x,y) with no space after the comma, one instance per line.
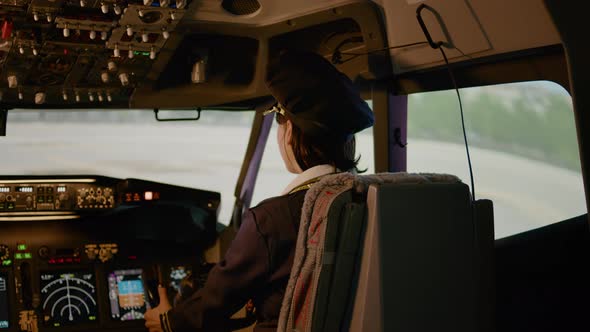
(270,12)
(450,21)
(477,27)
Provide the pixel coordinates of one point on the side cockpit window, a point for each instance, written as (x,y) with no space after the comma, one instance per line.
(523,145)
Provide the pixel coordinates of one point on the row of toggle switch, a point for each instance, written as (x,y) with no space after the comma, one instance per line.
(93,96)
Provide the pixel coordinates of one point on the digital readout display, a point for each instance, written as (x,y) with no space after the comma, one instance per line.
(127,295)
(24,189)
(61,189)
(4,189)
(177,274)
(4,319)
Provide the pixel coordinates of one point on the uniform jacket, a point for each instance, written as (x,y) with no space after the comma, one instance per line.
(256,266)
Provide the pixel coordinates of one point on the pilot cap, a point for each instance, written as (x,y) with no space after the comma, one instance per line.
(316,97)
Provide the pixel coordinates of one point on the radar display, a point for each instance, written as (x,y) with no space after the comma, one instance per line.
(68,298)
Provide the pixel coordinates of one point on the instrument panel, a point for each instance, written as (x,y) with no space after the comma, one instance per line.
(80,52)
(55,197)
(91,262)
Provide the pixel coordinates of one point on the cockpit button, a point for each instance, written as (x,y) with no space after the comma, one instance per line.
(43,252)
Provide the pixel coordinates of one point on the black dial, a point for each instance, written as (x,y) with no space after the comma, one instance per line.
(4,252)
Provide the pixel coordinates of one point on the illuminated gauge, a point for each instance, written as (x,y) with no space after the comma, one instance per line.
(68,298)
(4,291)
(127,295)
(4,252)
(177,274)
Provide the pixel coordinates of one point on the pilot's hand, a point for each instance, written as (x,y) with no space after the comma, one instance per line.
(152,316)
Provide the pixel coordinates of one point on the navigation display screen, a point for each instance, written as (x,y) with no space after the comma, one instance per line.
(4,324)
(177,274)
(127,295)
(68,298)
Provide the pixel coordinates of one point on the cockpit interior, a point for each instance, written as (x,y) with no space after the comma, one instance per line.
(84,250)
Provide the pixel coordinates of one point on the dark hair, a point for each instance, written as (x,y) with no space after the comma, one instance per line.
(312,151)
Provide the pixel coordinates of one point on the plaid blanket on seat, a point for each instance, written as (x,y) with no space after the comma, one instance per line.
(298,304)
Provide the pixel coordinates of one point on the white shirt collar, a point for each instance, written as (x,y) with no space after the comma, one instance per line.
(310,173)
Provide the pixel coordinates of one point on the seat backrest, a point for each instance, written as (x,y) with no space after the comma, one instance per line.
(391,252)
(425,261)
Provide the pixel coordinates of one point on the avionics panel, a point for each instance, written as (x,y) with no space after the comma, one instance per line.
(127,295)
(4,313)
(92,273)
(68,297)
(25,196)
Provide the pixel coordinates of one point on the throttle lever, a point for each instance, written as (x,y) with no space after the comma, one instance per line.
(152,278)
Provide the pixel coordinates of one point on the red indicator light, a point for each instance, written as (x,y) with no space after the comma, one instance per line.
(7,29)
(156,195)
(77,260)
(69,260)
(136,197)
(60,260)
(132,257)
(51,261)
(128,198)
(148,195)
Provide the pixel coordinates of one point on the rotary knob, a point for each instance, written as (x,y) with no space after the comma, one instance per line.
(105,254)
(4,252)
(91,251)
(44,252)
(29,202)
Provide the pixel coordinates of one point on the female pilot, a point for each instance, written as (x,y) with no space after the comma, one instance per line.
(318,111)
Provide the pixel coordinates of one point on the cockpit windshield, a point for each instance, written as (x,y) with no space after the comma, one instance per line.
(205,154)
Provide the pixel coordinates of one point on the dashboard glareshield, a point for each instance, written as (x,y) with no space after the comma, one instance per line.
(68,297)
(127,295)
(4,313)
